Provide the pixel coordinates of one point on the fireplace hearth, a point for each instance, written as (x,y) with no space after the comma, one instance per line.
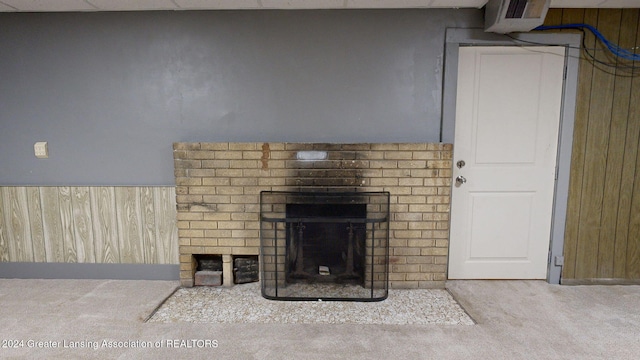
(324,245)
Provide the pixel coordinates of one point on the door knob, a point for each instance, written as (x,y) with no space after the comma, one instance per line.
(460,180)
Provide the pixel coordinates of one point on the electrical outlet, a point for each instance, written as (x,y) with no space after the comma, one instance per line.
(41,150)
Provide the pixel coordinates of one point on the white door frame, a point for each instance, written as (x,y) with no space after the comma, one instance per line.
(469,37)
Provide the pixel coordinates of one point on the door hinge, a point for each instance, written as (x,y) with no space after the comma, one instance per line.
(559,261)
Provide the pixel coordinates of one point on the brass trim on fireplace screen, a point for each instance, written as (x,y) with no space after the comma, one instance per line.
(355,226)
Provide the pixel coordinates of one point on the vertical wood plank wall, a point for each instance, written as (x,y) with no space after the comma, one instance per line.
(133,225)
(602,234)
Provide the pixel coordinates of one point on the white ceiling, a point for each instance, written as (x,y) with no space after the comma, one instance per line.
(136,5)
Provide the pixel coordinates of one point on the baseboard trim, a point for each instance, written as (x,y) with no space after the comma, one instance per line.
(600,282)
(32,270)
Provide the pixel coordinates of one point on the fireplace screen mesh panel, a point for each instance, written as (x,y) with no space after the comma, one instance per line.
(324,245)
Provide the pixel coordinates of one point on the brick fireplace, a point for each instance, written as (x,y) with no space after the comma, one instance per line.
(218,189)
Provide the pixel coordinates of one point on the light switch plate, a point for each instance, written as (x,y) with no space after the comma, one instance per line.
(41,150)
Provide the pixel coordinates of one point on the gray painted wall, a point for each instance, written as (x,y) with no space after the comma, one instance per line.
(111,92)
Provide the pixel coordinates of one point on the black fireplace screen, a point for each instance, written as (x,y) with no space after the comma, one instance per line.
(324,245)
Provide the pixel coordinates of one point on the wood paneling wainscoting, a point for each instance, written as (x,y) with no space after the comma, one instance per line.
(602,234)
(118,225)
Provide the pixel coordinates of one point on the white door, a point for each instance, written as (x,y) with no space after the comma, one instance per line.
(506,133)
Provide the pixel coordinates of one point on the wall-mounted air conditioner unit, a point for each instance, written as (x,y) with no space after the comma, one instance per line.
(505,16)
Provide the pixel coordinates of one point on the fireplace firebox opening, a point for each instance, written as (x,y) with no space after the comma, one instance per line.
(324,245)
